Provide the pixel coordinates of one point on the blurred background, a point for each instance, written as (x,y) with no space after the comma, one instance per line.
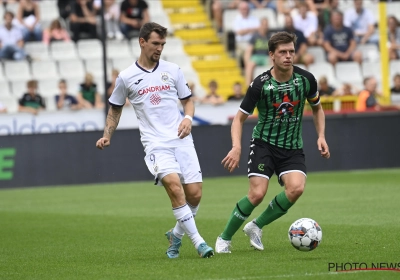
(60,59)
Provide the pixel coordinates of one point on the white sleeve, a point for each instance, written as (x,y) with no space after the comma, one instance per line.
(181,86)
(347,19)
(370,17)
(119,94)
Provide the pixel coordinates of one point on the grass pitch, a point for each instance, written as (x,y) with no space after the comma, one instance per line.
(116,231)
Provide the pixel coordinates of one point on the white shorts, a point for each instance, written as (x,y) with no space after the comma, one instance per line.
(181,160)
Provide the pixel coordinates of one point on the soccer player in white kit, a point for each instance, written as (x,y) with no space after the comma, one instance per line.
(153,87)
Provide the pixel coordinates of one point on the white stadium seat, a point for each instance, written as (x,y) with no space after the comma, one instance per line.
(5,90)
(318,53)
(19,88)
(95,67)
(89,48)
(348,72)
(73,68)
(37,50)
(17,70)
(324,69)
(44,69)
(63,50)
(122,63)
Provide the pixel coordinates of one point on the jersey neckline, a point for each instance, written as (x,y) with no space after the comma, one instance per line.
(141,68)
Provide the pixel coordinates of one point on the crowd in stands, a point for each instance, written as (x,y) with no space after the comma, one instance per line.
(317,24)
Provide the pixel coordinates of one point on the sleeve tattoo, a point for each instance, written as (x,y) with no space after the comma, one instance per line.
(112,121)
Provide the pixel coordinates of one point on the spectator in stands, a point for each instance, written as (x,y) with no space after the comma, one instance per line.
(346,89)
(11,40)
(212,97)
(367,97)
(244,26)
(83,19)
(396,84)
(307,22)
(325,15)
(262,4)
(256,53)
(362,22)
(88,97)
(64,8)
(3,108)
(288,7)
(238,94)
(324,88)
(31,102)
(55,32)
(394,38)
(301,56)
(134,13)
(28,16)
(111,17)
(65,100)
(339,41)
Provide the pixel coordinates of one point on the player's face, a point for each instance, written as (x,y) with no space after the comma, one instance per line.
(153,47)
(283,56)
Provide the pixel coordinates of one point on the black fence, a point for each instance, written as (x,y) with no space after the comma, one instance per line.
(359,141)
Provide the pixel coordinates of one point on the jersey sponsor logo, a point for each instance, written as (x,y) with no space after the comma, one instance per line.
(270,87)
(164,77)
(285,108)
(261,167)
(296,81)
(138,82)
(264,78)
(155,99)
(153,89)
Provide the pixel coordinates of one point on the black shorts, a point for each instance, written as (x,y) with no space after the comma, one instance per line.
(266,159)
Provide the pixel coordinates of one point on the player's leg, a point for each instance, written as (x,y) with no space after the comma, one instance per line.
(260,168)
(191,179)
(291,170)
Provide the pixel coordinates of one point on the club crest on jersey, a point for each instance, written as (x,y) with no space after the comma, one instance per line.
(164,77)
(285,108)
(155,99)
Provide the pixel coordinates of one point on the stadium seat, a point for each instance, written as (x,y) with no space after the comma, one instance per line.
(50,102)
(95,67)
(44,69)
(18,88)
(174,46)
(89,48)
(318,53)
(5,90)
(135,48)
(73,68)
(2,76)
(348,72)
(122,63)
(10,102)
(371,69)
(117,49)
(182,60)
(48,10)
(324,69)
(267,13)
(63,50)
(228,18)
(394,69)
(73,85)
(17,70)
(48,87)
(37,50)
(370,52)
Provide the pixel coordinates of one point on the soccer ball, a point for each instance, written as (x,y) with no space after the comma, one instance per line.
(305,234)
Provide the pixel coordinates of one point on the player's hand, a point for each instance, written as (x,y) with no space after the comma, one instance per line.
(184,128)
(231,161)
(102,143)
(323,147)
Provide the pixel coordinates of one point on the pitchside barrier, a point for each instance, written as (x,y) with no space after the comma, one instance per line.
(356,141)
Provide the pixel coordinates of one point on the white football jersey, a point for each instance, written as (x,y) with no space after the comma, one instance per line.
(154,95)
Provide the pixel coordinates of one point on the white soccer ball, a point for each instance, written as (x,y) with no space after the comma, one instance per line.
(305,234)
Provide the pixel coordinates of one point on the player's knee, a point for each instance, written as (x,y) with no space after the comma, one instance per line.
(294,191)
(256,197)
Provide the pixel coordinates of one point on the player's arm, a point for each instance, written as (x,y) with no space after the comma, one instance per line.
(117,102)
(231,161)
(318,117)
(185,96)
(185,126)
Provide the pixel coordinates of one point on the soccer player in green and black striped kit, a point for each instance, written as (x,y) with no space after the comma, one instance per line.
(277,147)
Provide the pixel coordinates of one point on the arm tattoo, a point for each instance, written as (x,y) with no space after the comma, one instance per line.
(112,121)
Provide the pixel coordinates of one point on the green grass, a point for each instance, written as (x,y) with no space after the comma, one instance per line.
(116,231)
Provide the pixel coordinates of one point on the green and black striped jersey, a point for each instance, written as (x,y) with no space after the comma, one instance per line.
(280,107)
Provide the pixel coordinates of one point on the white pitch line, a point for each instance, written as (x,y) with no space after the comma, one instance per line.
(291,275)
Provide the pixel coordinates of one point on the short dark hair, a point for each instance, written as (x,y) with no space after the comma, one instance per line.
(280,38)
(8,13)
(149,27)
(62,81)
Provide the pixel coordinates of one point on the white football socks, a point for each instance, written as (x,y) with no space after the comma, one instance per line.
(178,231)
(185,220)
